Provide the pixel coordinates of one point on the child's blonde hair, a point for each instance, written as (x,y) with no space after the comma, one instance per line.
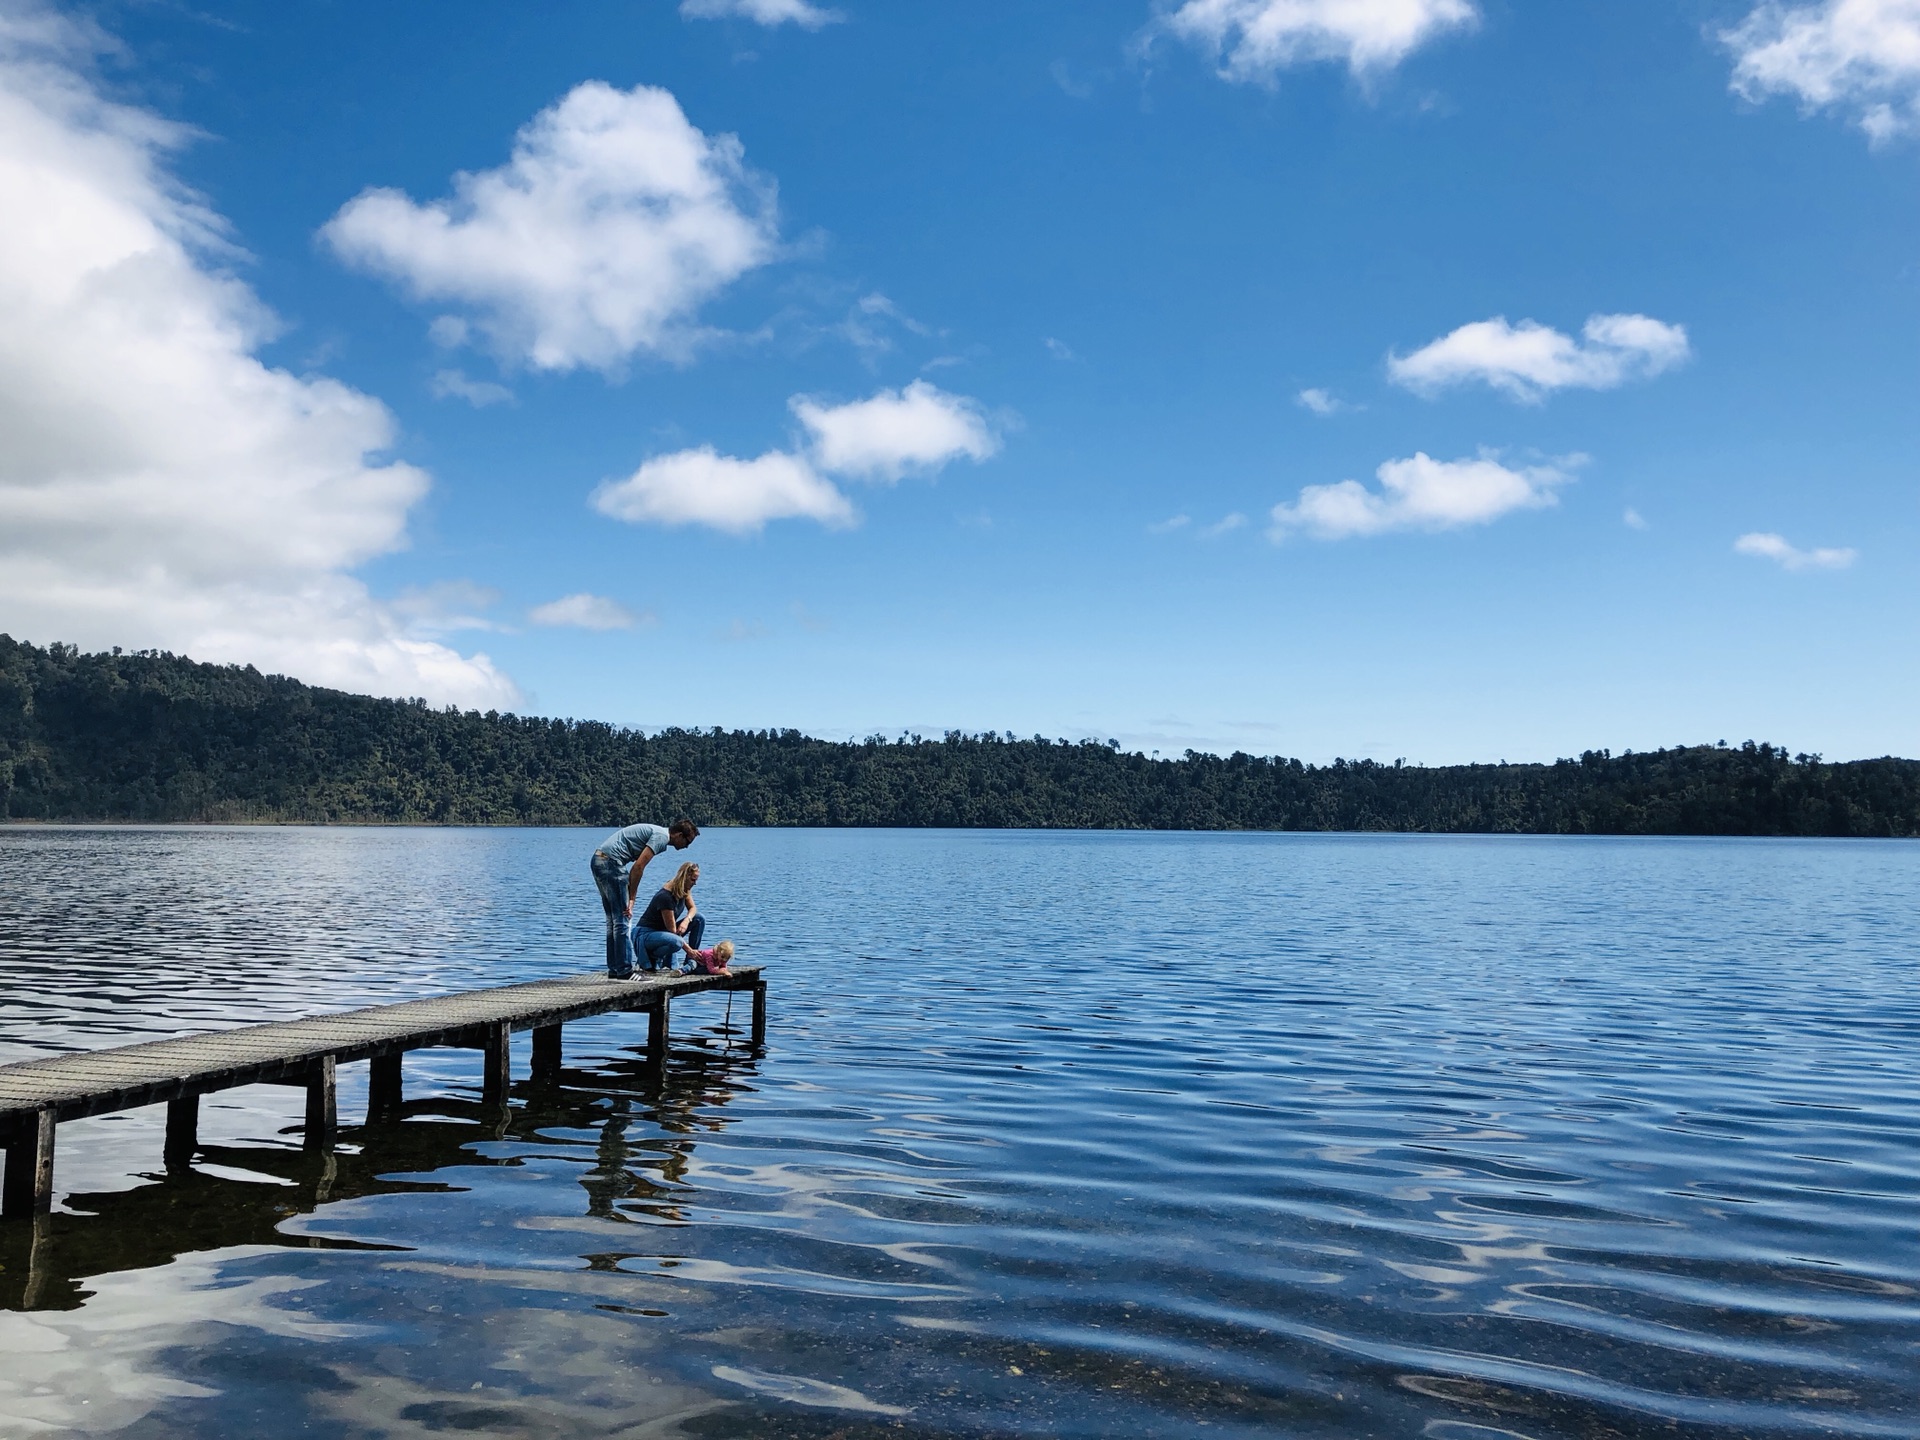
(723,952)
(682,881)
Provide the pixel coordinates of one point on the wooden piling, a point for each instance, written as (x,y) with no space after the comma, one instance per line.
(657,1039)
(27,1187)
(183,1131)
(496,1051)
(546,1053)
(323,1115)
(385,1090)
(759,1015)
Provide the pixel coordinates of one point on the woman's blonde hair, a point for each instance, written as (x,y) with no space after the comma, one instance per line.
(682,880)
(723,952)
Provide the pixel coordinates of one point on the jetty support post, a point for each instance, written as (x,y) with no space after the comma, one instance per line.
(546,1053)
(496,1050)
(26,1188)
(384,1088)
(183,1131)
(759,1015)
(323,1116)
(657,1038)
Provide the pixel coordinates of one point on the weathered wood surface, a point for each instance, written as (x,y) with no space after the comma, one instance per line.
(67,1087)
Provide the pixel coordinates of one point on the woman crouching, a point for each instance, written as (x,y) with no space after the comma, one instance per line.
(671,926)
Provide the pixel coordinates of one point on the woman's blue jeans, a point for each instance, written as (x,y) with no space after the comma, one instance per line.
(661,949)
(611,877)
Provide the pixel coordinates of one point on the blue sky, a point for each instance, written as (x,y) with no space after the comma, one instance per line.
(1439,379)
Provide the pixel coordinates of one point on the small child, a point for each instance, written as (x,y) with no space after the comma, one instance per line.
(714,961)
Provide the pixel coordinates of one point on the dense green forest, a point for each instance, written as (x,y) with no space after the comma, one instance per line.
(153,736)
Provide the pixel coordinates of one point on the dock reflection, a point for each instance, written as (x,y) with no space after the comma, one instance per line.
(246,1193)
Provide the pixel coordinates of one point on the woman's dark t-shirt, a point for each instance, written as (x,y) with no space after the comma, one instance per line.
(660,911)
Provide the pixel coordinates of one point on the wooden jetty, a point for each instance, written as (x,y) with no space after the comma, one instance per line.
(35,1095)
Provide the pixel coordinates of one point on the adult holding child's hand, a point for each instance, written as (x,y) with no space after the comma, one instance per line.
(633,847)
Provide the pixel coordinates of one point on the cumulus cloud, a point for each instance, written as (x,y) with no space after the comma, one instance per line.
(584,612)
(1789,557)
(160,486)
(1858,57)
(895,432)
(703,487)
(613,221)
(1256,39)
(761,12)
(1420,494)
(1528,360)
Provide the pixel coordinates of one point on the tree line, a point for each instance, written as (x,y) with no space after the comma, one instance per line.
(158,737)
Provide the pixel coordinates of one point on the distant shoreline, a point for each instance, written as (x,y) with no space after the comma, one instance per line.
(113,823)
(157,738)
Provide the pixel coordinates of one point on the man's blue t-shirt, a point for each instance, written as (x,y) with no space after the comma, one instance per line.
(624,846)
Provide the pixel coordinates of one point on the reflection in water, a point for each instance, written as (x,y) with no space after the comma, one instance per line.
(236,1203)
(1455,1138)
(246,1193)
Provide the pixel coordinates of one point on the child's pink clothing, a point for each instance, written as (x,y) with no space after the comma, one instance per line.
(707,961)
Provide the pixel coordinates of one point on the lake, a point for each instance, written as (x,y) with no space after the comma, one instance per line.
(1057,1134)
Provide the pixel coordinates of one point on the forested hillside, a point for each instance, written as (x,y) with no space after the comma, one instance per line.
(153,736)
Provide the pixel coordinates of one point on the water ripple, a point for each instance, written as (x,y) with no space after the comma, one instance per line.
(1463,1138)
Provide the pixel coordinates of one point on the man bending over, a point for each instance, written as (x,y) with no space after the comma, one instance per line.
(633,846)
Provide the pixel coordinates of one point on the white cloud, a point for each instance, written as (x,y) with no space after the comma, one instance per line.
(585,612)
(454,385)
(160,486)
(1255,39)
(1859,57)
(702,487)
(1169,525)
(1788,557)
(1225,525)
(1320,402)
(762,12)
(614,220)
(1059,349)
(1528,360)
(1420,494)
(895,432)
(1633,519)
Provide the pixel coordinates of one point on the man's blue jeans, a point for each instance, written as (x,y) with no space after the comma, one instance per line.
(662,949)
(612,880)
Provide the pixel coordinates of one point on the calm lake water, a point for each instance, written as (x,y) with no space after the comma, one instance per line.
(1057,1134)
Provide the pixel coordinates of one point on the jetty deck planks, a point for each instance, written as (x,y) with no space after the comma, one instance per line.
(37,1094)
